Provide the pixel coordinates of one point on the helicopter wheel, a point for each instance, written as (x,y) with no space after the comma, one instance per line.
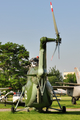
(5,104)
(28,110)
(73,100)
(64,109)
(40,110)
(12,110)
(46,109)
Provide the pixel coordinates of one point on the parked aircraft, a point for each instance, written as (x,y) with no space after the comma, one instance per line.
(73,91)
(38,90)
(6,88)
(60,91)
(2,90)
(3,97)
(16,96)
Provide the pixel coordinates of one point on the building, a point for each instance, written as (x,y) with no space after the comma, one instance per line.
(65,73)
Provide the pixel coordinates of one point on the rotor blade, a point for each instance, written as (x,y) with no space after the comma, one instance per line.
(55,26)
(54,52)
(58,50)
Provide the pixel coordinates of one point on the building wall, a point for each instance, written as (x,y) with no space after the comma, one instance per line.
(65,73)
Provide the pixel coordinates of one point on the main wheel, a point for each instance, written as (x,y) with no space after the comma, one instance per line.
(73,100)
(64,109)
(46,109)
(12,110)
(28,110)
(40,110)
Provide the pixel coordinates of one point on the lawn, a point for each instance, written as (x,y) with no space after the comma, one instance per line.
(66,101)
(39,116)
(34,115)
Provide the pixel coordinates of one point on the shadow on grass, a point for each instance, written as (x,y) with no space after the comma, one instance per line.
(49,112)
(68,112)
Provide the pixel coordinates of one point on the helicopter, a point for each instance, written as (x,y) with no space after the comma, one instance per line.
(38,92)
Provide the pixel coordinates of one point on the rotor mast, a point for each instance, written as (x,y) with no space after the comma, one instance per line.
(42,55)
(42,70)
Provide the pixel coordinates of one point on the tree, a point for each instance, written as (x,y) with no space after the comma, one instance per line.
(57,76)
(70,78)
(13,62)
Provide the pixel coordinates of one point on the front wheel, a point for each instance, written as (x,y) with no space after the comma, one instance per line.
(64,109)
(12,110)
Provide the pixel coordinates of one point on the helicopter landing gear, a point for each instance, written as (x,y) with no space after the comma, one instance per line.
(12,110)
(28,110)
(46,109)
(73,100)
(64,109)
(40,110)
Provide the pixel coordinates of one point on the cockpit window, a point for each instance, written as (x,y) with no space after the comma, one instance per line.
(34,62)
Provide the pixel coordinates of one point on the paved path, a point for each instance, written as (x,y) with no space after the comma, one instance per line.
(68,109)
(1,110)
(74,109)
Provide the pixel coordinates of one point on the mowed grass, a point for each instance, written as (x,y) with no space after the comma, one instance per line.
(66,101)
(34,115)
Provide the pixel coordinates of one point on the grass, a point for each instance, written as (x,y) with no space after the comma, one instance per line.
(66,101)
(39,116)
(34,115)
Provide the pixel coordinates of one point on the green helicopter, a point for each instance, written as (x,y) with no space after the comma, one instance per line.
(38,92)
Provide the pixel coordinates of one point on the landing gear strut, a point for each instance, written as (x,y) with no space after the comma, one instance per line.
(73,100)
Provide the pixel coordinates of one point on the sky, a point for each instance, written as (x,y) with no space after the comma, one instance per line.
(26,21)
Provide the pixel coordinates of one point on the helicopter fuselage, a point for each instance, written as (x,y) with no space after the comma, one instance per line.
(38,90)
(33,97)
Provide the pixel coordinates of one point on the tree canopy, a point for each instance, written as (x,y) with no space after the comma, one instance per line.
(13,65)
(70,78)
(57,76)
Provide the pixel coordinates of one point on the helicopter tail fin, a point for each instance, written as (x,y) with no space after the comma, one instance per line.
(77,75)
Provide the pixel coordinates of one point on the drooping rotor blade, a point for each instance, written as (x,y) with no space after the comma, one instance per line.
(54,52)
(55,26)
(58,51)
